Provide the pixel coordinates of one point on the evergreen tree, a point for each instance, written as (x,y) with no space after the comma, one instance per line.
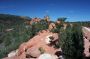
(71,42)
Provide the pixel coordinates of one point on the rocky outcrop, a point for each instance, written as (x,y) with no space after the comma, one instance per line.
(86,32)
(39,44)
(52,26)
(34,20)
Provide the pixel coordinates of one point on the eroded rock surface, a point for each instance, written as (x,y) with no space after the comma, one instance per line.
(39,44)
(86,41)
(52,26)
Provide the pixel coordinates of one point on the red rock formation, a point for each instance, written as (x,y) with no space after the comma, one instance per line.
(86,42)
(41,40)
(52,26)
(34,20)
(32,47)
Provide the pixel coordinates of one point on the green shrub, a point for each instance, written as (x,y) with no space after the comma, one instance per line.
(71,41)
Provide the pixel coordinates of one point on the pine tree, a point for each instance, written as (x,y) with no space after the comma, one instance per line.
(71,41)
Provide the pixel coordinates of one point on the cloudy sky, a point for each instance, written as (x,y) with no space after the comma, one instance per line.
(74,10)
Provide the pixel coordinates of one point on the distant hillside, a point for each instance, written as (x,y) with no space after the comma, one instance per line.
(82,23)
(11,19)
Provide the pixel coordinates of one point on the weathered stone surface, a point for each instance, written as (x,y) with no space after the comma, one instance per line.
(34,20)
(86,41)
(41,40)
(33,51)
(32,47)
(52,26)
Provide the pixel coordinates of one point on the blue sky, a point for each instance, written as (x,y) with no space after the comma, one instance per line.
(74,10)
